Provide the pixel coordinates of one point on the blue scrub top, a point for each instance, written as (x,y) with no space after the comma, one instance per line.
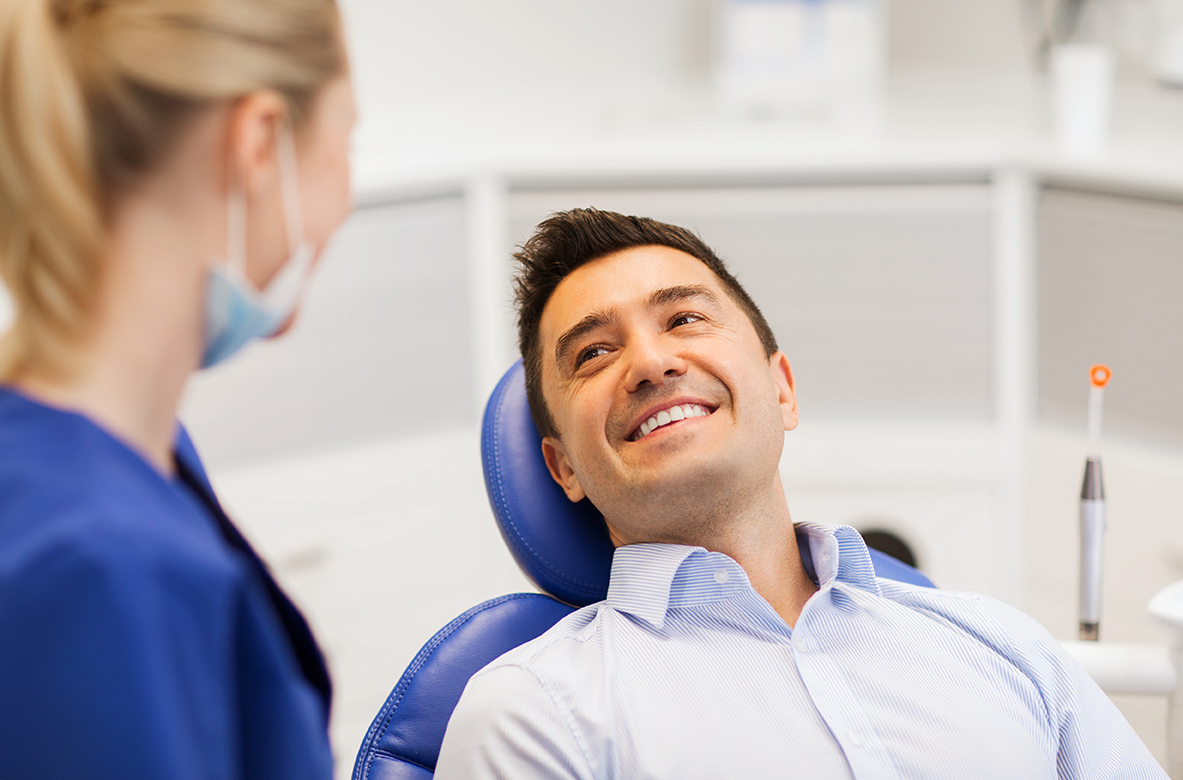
(140,636)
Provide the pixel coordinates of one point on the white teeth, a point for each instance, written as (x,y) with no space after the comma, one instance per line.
(667,416)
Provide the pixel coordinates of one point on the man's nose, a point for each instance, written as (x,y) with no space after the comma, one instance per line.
(651,361)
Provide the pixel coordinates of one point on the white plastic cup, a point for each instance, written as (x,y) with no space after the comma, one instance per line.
(1082,97)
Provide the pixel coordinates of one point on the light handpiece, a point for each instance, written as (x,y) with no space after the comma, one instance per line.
(1092,513)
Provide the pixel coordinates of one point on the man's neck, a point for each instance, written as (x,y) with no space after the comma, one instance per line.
(760,537)
(766,547)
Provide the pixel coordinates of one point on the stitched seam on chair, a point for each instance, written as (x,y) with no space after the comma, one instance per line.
(519,540)
(397,757)
(366,746)
(417,663)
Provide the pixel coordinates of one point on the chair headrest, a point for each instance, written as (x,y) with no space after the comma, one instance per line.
(562,547)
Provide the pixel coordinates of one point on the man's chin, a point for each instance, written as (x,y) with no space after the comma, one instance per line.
(691,486)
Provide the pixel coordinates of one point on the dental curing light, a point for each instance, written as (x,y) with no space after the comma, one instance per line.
(1092,513)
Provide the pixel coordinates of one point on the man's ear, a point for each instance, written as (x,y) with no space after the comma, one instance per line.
(555,455)
(782,377)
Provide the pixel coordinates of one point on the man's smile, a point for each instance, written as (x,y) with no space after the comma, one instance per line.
(668,414)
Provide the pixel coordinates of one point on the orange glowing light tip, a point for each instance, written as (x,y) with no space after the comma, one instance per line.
(1099,375)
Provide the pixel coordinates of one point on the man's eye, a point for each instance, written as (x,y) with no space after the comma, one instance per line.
(589,353)
(685,318)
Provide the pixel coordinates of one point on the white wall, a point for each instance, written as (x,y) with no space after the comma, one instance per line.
(959,34)
(411,53)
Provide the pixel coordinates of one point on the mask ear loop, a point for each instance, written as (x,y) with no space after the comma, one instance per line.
(289,183)
(236,228)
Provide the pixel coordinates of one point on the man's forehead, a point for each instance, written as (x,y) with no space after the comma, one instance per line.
(628,277)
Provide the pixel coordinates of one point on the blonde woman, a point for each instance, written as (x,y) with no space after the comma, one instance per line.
(169,171)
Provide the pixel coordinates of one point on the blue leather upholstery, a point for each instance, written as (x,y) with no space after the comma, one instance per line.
(563,547)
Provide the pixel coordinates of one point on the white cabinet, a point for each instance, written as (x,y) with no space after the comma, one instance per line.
(1111,291)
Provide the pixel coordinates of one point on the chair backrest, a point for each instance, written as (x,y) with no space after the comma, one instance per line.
(563,547)
(403,742)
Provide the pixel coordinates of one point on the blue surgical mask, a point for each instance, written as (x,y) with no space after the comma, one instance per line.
(236,312)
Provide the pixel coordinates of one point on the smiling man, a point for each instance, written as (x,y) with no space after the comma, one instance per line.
(722,650)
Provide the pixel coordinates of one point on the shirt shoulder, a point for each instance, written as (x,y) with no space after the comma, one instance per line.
(73,496)
(89,532)
(1018,641)
(525,714)
(118,594)
(1007,630)
(549,653)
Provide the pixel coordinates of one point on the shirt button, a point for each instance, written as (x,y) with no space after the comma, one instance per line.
(855,739)
(721,576)
(801,644)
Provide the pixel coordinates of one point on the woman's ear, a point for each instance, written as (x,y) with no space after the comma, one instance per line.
(559,465)
(253,130)
(782,377)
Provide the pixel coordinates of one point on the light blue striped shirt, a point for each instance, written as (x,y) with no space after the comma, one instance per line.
(686,672)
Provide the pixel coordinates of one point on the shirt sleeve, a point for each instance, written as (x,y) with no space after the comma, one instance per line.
(1095,740)
(116,663)
(508,726)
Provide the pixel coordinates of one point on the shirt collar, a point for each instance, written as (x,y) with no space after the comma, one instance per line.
(648,579)
(836,553)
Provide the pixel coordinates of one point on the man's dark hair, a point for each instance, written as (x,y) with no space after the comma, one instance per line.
(569,239)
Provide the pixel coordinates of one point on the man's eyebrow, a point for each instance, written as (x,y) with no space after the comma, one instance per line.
(682,292)
(597,319)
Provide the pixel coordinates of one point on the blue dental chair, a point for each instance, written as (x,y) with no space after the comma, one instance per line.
(562,547)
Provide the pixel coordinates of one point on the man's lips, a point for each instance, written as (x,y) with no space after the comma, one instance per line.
(666,414)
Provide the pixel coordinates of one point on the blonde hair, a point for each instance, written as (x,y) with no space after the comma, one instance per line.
(92,95)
